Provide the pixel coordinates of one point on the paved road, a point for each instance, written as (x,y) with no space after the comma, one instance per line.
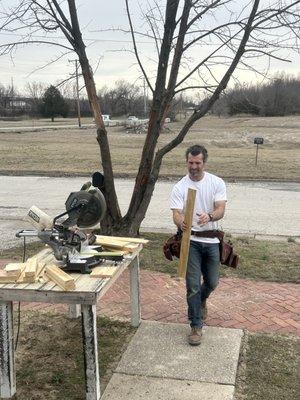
(253,208)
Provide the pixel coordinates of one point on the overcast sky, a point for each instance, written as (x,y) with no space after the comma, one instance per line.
(109,50)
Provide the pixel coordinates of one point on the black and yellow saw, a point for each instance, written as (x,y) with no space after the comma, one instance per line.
(65,233)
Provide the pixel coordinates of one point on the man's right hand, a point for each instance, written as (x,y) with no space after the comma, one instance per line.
(183,226)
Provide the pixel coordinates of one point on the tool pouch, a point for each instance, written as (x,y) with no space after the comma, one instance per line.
(227,254)
(172,246)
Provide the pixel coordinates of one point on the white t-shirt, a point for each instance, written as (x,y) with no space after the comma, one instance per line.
(210,189)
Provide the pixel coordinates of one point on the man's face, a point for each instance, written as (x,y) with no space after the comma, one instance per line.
(195,165)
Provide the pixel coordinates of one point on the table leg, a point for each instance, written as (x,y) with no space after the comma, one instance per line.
(90,345)
(7,355)
(74,311)
(135,292)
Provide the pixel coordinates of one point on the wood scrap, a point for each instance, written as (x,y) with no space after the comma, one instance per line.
(47,259)
(117,244)
(6,278)
(60,277)
(30,268)
(123,239)
(103,272)
(111,249)
(14,269)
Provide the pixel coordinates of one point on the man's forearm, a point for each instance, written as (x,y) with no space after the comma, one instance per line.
(178,218)
(217,214)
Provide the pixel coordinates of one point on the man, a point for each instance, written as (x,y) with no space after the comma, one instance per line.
(203,261)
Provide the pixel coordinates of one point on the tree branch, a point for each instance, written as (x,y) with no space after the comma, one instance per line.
(135,47)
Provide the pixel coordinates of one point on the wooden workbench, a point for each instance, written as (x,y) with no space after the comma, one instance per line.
(88,291)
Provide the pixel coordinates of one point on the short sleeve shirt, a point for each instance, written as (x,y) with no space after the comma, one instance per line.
(210,189)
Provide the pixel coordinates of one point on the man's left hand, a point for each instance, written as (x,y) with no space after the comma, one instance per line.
(203,218)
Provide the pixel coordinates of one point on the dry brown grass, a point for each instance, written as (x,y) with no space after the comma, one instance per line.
(229,142)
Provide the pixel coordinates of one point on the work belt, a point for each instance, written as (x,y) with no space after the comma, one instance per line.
(208,234)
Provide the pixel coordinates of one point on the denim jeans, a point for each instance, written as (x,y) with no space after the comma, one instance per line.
(203,262)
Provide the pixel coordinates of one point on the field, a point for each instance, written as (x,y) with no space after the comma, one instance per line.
(74,151)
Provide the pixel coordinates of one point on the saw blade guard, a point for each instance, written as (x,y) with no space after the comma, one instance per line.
(85,208)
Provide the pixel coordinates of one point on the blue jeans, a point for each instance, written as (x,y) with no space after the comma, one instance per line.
(204,259)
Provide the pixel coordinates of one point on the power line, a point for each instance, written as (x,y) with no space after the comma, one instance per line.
(62,37)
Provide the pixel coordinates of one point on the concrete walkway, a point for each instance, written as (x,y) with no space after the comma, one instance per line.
(159,365)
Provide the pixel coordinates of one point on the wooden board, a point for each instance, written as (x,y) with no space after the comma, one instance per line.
(103,272)
(6,278)
(14,268)
(185,242)
(61,278)
(123,239)
(117,244)
(30,268)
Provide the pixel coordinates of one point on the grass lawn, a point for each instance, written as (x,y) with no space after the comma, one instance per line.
(259,259)
(229,142)
(49,357)
(269,368)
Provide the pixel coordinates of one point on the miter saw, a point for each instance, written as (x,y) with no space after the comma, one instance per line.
(70,244)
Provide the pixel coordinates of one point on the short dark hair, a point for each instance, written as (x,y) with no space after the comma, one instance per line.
(195,150)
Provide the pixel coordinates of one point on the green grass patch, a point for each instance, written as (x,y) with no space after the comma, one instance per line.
(269,368)
(49,358)
(259,259)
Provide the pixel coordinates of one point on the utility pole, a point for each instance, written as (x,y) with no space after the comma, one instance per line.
(77,92)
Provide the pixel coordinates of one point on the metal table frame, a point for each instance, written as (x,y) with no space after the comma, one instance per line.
(88,291)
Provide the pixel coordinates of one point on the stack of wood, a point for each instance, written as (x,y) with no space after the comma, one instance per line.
(115,245)
(42,267)
(122,245)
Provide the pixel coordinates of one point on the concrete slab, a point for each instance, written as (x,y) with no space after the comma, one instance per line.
(161,350)
(127,387)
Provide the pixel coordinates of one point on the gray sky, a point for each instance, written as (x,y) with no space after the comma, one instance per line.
(109,50)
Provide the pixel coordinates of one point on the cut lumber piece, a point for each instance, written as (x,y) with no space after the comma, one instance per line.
(117,244)
(129,247)
(61,278)
(6,278)
(111,249)
(123,239)
(103,272)
(21,277)
(47,259)
(105,254)
(30,267)
(14,269)
(185,241)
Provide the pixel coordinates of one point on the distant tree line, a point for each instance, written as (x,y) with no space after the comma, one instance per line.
(278,97)
(123,99)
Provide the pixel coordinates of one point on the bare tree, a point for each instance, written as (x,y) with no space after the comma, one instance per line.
(225,36)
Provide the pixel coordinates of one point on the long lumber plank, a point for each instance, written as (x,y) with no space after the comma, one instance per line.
(124,239)
(185,242)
